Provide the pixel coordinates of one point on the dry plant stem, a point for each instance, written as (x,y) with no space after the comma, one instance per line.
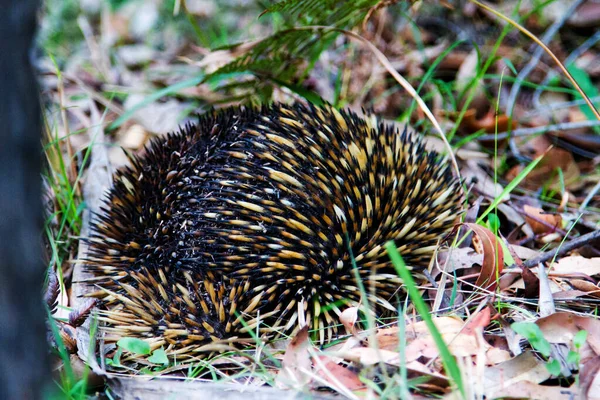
(544,108)
(72,171)
(537,54)
(572,57)
(547,50)
(573,244)
(99,178)
(541,129)
(589,197)
(93,94)
(547,308)
(97,55)
(514,92)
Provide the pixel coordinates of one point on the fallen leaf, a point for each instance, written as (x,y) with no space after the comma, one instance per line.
(348,319)
(545,173)
(472,173)
(486,243)
(296,363)
(589,379)
(530,390)
(156,117)
(524,367)
(337,375)
(540,221)
(585,286)
(561,327)
(479,320)
(577,264)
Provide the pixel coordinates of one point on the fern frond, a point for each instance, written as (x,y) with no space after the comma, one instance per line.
(278,55)
(287,56)
(340,14)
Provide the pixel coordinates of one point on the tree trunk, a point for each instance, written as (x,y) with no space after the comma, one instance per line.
(23,348)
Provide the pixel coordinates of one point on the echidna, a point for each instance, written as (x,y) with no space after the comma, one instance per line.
(252,217)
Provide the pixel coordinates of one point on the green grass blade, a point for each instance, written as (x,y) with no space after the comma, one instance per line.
(510,187)
(448,360)
(155,96)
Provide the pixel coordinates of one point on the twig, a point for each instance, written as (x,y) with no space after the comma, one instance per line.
(589,197)
(571,58)
(548,35)
(541,129)
(557,106)
(537,54)
(573,244)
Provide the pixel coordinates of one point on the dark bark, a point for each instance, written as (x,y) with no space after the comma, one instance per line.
(23,349)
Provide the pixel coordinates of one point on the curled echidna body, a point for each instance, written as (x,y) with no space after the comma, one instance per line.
(248,218)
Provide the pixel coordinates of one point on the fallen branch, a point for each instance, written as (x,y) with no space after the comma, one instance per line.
(573,244)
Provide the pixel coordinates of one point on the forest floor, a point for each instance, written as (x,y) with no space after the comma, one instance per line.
(513,87)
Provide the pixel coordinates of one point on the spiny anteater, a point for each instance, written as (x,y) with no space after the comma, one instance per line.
(247,216)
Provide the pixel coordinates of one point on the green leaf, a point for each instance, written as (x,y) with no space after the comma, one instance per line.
(493,223)
(573,357)
(553,367)
(510,65)
(155,96)
(509,188)
(534,335)
(116,360)
(134,345)
(579,339)
(159,356)
(587,86)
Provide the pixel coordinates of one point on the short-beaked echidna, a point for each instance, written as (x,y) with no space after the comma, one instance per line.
(255,214)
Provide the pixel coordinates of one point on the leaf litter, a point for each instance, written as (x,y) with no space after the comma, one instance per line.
(481,283)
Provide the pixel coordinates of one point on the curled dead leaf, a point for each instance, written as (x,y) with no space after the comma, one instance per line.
(486,243)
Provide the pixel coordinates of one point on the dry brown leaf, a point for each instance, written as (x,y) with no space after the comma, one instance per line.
(486,243)
(159,118)
(457,259)
(419,342)
(495,355)
(337,375)
(524,367)
(472,173)
(589,379)
(372,356)
(534,215)
(585,286)
(478,321)
(296,363)
(467,72)
(133,138)
(488,123)
(545,172)
(577,264)
(561,327)
(529,390)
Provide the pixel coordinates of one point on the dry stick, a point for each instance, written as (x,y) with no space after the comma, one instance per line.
(547,50)
(541,129)
(557,106)
(514,92)
(537,55)
(573,244)
(575,54)
(589,197)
